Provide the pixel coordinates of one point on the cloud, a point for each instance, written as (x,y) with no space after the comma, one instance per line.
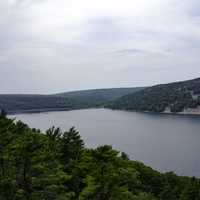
(130,51)
(92,44)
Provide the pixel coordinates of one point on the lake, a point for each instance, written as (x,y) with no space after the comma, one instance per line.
(164,142)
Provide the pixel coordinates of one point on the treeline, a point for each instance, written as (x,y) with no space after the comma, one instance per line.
(37,103)
(16,103)
(96,97)
(57,166)
(174,97)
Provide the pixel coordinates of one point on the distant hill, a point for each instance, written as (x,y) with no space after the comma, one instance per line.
(98,96)
(18,103)
(173,97)
(34,103)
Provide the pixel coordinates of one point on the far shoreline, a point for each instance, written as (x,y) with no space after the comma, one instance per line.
(34,111)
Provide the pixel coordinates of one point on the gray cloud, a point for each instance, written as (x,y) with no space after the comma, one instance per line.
(50,46)
(130,51)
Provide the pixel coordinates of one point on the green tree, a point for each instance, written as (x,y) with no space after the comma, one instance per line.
(71,146)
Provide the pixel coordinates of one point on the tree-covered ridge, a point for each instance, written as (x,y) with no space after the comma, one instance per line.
(32,103)
(17,103)
(98,96)
(56,166)
(174,97)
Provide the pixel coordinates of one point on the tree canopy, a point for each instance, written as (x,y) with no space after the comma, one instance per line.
(57,166)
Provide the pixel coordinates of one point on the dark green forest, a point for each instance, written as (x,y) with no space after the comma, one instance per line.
(174,97)
(19,103)
(35,103)
(56,165)
(98,96)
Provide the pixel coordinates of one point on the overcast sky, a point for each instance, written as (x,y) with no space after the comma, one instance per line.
(49,46)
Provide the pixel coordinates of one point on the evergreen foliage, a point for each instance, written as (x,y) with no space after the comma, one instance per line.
(56,166)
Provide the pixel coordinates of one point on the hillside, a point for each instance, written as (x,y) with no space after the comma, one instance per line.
(98,96)
(34,103)
(64,101)
(56,165)
(173,97)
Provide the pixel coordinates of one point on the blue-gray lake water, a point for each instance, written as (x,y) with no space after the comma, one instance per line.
(164,142)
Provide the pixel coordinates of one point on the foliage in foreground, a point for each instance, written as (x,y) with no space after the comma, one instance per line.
(57,166)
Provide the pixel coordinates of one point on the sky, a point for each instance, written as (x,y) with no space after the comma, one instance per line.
(49,46)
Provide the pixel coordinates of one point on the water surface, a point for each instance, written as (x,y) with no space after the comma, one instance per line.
(164,142)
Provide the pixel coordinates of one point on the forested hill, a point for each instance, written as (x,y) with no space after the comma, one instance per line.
(65,101)
(172,97)
(34,103)
(98,96)
(57,166)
